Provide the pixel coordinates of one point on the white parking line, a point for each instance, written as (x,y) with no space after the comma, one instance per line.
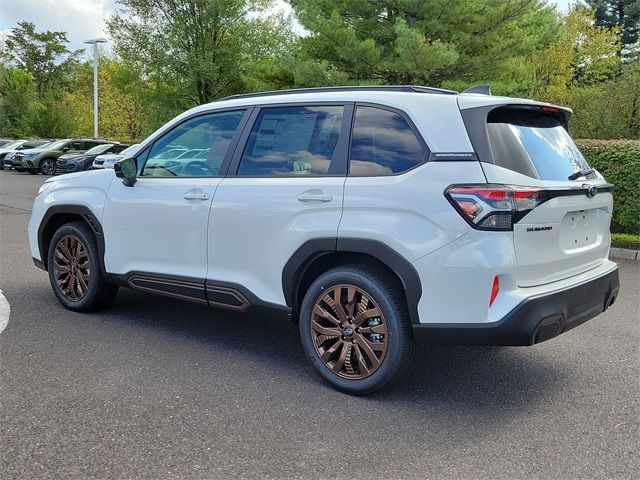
(5,309)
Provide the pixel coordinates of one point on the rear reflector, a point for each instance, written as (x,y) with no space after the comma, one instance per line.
(495,288)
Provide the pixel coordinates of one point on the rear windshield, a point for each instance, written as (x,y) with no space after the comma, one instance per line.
(533,143)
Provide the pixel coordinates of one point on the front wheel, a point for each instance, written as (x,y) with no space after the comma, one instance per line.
(355,329)
(48,166)
(74,269)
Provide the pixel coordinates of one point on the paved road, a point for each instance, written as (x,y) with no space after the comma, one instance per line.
(155,388)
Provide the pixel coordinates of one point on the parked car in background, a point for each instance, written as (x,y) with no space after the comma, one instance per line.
(78,162)
(43,159)
(16,146)
(4,141)
(107,160)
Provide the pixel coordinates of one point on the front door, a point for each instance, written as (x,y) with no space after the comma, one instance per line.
(159,226)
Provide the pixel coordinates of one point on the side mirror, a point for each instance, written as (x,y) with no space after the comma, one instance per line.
(66,148)
(127,169)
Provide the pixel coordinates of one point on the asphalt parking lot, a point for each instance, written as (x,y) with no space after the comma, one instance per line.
(156,388)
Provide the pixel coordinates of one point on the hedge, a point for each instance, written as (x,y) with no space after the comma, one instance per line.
(625,240)
(619,162)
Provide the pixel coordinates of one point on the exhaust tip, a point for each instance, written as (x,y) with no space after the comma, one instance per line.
(549,328)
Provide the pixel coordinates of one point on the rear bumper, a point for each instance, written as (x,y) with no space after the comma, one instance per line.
(534,320)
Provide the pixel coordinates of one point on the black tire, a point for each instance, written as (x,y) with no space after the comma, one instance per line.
(47,166)
(99,293)
(383,291)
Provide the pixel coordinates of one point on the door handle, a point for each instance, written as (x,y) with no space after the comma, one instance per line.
(196,196)
(314,196)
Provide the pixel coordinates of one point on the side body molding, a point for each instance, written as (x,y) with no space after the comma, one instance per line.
(311,250)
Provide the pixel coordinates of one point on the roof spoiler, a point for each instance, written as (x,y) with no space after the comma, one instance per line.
(482,89)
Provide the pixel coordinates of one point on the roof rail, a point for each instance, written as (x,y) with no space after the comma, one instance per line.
(482,89)
(373,88)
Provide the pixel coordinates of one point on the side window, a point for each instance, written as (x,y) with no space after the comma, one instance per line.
(118,148)
(382,143)
(88,145)
(195,148)
(72,146)
(292,141)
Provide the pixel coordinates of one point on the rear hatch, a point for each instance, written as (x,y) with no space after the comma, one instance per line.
(567,232)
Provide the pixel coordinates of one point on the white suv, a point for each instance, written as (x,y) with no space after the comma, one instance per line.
(375,217)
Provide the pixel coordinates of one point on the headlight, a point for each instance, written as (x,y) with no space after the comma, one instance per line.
(45,186)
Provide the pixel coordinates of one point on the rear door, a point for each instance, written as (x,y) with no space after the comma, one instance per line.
(568,231)
(285,186)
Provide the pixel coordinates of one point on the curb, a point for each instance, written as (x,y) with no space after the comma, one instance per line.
(624,253)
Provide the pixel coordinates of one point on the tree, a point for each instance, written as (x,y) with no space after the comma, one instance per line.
(610,109)
(585,55)
(619,13)
(43,54)
(192,51)
(124,115)
(426,42)
(18,102)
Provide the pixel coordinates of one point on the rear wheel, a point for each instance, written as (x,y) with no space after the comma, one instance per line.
(355,329)
(47,166)
(74,269)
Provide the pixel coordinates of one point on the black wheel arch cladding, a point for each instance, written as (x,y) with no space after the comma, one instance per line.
(299,263)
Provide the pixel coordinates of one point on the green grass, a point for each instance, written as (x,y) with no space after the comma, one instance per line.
(625,240)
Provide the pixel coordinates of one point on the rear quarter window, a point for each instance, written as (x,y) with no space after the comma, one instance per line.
(382,143)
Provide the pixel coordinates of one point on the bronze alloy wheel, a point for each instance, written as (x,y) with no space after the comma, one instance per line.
(349,332)
(72,267)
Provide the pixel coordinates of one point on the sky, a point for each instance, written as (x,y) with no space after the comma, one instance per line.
(85,19)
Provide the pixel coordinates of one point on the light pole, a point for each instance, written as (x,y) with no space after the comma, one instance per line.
(95,43)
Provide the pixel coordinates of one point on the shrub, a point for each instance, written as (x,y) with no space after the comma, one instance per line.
(625,240)
(619,162)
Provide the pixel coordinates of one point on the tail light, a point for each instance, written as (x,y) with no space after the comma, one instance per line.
(493,207)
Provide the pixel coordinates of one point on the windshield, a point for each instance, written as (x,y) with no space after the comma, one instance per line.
(98,149)
(56,145)
(534,144)
(12,145)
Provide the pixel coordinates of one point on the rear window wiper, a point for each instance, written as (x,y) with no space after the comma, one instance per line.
(581,173)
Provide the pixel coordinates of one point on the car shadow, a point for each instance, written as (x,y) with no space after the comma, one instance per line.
(489,379)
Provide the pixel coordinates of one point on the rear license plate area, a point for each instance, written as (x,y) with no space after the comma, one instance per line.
(579,229)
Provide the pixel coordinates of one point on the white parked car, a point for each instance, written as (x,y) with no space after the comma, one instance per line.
(9,149)
(108,160)
(375,217)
